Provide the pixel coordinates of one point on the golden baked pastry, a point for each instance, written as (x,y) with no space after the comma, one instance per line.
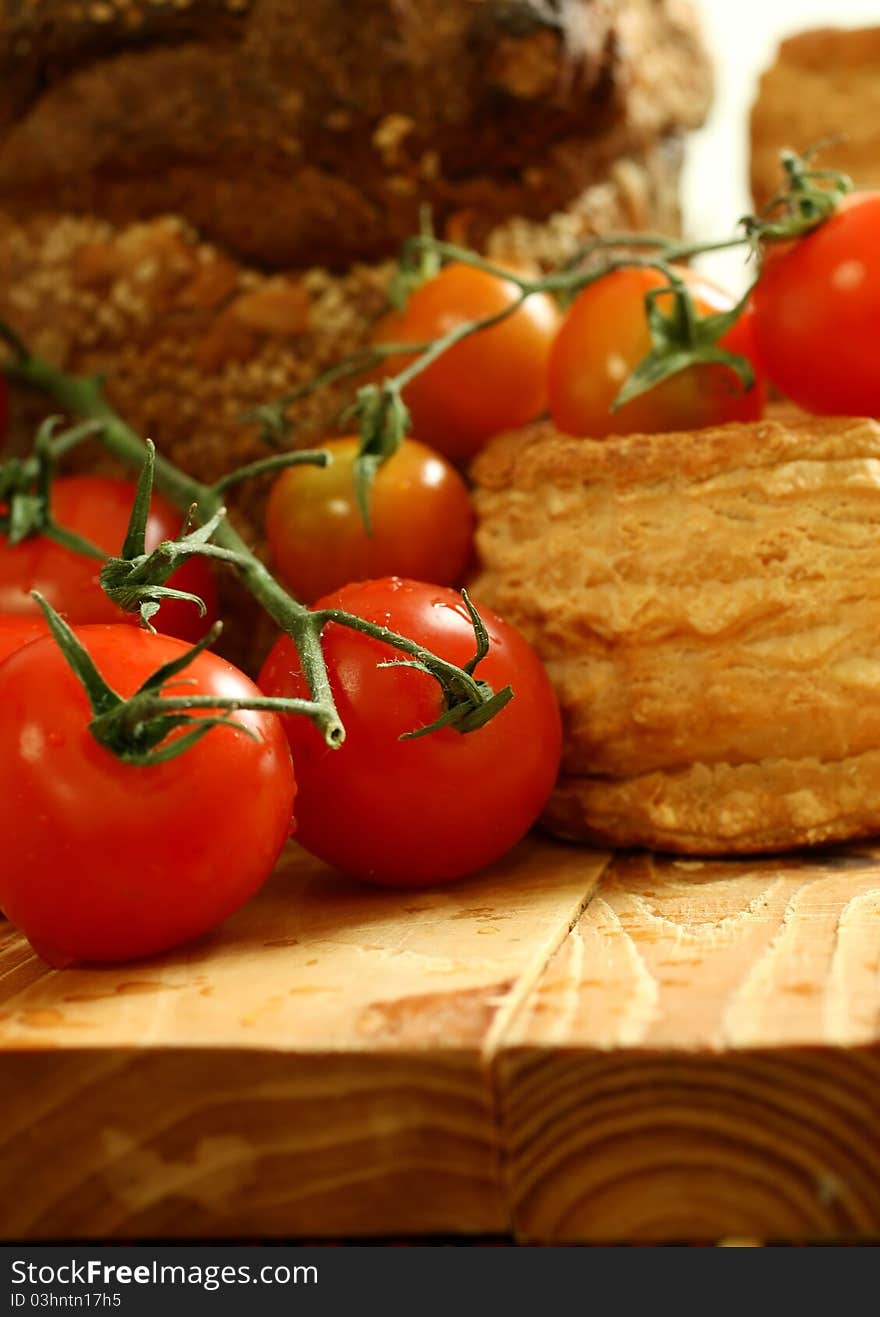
(708,606)
(823,84)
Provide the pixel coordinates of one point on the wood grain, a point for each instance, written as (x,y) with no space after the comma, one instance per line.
(567,1049)
(318,1065)
(699,1057)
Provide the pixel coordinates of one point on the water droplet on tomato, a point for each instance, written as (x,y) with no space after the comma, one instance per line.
(31,743)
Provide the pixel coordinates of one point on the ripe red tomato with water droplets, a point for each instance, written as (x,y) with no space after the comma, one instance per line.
(421,517)
(604,337)
(98,508)
(109,861)
(412,812)
(817,312)
(494,380)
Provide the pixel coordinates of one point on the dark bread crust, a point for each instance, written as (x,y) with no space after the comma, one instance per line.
(297,134)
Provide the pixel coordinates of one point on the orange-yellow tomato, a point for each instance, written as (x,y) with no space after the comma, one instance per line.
(421,519)
(604,337)
(494,380)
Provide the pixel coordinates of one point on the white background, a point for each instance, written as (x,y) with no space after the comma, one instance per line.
(742,36)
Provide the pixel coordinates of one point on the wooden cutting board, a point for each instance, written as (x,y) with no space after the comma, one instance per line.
(568,1047)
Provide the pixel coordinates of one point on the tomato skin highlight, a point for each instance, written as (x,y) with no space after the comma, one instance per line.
(604,337)
(817,312)
(492,381)
(414,812)
(420,511)
(111,861)
(98,508)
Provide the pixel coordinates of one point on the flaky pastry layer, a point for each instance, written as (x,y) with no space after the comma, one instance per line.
(708,606)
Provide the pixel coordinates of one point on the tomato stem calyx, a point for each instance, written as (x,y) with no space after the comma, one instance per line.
(26,488)
(809,197)
(682,338)
(383,419)
(135,581)
(468,703)
(138,730)
(416,264)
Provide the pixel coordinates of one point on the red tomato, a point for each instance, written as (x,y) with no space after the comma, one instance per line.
(495,380)
(112,861)
(604,337)
(817,312)
(98,508)
(421,515)
(411,812)
(18,629)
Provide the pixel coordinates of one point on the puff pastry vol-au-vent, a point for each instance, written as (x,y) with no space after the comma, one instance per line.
(708,607)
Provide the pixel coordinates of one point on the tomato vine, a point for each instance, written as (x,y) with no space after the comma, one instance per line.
(133,580)
(681,337)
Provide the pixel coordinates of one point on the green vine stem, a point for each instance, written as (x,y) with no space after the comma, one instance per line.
(681,339)
(83,397)
(272,416)
(302,457)
(470,703)
(380,411)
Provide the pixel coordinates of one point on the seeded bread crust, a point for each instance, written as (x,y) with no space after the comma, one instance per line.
(296,135)
(707,605)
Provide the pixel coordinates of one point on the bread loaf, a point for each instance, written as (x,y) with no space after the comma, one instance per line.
(300,134)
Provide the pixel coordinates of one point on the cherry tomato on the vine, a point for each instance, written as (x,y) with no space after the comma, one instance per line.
(110,861)
(411,812)
(421,521)
(98,508)
(494,380)
(604,337)
(817,312)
